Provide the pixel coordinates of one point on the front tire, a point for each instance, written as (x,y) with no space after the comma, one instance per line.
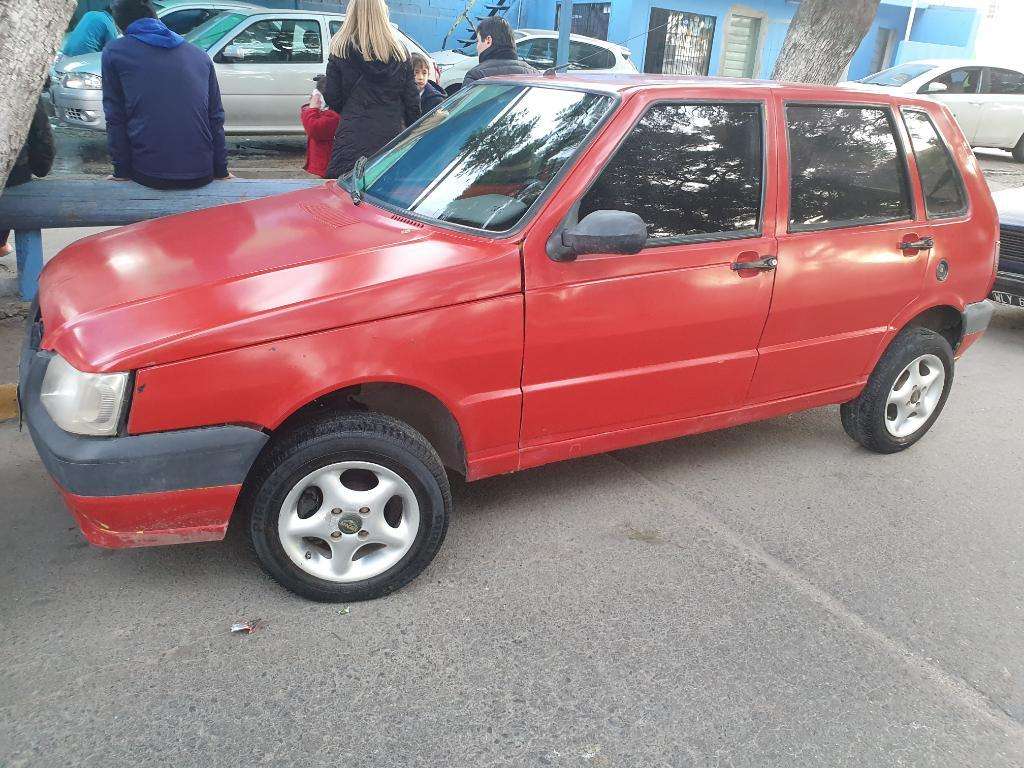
(905,393)
(1018,151)
(350,507)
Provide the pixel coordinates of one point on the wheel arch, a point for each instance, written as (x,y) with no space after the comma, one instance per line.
(420,409)
(942,317)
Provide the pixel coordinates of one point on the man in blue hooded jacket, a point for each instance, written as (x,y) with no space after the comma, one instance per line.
(165,120)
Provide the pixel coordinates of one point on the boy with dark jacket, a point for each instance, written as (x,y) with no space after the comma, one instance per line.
(165,121)
(430,94)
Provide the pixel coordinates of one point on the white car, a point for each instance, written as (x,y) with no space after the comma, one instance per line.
(265,61)
(987,100)
(537,47)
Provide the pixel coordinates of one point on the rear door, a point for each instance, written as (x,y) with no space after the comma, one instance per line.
(266,72)
(1002,118)
(621,342)
(843,275)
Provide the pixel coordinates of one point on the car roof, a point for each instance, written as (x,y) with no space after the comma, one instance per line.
(554,33)
(625,82)
(954,63)
(227,6)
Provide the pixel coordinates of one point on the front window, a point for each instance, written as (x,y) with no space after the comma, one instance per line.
(276,41)
(483,158)
(897,76)
(690,171)
(207,35)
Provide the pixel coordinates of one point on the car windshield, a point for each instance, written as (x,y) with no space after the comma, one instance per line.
(208,33)
(897,76)
(485,156)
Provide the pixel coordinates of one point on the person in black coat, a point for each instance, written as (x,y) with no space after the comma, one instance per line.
(369,83)
(496,51)
(35,158)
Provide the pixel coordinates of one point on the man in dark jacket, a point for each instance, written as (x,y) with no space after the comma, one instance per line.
(497,51)
(165,121)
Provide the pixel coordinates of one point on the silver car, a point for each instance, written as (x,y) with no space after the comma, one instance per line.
(265,60)
(537,47)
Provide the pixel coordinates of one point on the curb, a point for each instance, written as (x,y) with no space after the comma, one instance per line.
(8,401)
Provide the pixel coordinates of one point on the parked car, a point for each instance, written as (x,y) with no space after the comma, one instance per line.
(265,61)
(1009,287)
(552,267)
(987,100)
(181,16)
(537,47)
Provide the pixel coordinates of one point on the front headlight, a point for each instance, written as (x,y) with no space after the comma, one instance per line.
(83,403)
(83,81)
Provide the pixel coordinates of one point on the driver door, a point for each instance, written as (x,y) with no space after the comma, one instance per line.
(962,96)
(266,73)
(619,344)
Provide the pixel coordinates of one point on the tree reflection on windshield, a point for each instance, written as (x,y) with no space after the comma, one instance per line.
(488,155)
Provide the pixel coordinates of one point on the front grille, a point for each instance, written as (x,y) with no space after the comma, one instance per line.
(1011,243)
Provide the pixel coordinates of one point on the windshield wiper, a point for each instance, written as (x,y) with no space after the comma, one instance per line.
(357,180)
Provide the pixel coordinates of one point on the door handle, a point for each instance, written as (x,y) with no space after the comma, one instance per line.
(924,244)
(768,262)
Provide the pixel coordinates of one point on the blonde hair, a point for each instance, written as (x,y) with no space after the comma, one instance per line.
(367,29)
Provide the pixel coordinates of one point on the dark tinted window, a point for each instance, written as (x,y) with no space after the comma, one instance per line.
(1005,81)
(538,52)
(687,170)
(185,21)
(940,178)
(586,56)
(845,167)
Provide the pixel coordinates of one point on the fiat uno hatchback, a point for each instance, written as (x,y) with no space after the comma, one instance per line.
(540,269)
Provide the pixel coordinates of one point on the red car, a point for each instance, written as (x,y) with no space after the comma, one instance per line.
(544,268)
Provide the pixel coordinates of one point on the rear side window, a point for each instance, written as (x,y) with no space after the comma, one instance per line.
(689,171)
(845,168)
(1005,81)
(940,178)
(587,56)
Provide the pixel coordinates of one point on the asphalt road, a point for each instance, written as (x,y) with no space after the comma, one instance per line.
(769,595)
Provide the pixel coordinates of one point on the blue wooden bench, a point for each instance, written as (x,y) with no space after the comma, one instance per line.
(58,203)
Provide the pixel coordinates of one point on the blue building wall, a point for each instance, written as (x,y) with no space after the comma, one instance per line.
(938,31)
(934,27)
(946,26)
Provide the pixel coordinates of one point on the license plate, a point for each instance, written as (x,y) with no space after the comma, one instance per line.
(1010,299)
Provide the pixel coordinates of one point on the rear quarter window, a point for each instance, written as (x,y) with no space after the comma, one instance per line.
(846,167)
(940,178)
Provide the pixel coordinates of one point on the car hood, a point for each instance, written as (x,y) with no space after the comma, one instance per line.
(1010,204)
(87,62)
(245,273)
(447,58)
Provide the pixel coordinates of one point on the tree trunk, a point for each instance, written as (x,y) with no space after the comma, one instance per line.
(32,31)
(822,39)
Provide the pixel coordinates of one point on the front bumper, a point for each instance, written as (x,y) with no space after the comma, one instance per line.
(138,490)
(77,107)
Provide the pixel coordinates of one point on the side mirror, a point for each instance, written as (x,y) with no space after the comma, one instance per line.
(232,53)
(604,232)
(935,87)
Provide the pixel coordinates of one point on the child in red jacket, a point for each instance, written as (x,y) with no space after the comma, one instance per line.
(320,124)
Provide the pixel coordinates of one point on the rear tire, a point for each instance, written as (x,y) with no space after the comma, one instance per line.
(350,507)
(904,395)
(1018,151)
